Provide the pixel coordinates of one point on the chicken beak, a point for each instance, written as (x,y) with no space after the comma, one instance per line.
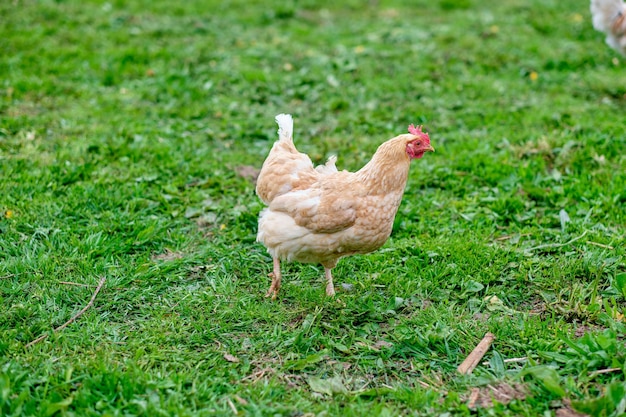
(429,148)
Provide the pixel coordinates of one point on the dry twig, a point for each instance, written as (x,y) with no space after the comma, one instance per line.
(256,376)
(73,319)
(476,355)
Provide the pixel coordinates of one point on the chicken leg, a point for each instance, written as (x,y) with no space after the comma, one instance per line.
(276,277)
(330,289)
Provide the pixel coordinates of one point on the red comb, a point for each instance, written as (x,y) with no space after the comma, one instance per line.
(417,131)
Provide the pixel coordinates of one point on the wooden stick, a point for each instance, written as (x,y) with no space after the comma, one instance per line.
(73,319)
(7,276)
(476,355)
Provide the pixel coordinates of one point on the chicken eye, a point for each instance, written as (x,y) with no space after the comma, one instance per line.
(418,143)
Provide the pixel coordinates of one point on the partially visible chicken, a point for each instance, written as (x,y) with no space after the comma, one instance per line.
(319,215)
(609,16)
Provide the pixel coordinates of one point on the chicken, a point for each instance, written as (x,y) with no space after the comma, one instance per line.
(609,16)
(319,215)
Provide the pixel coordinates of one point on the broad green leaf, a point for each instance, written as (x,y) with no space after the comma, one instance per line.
(53,408)
(474,286)
(612,403)
(5,387)
(375,392)
(300,364)
(328,386)
(595,407)
(607,340)
(616,396)
(497,363)
(340,347)
(620,283)
(575,346)
(548,377)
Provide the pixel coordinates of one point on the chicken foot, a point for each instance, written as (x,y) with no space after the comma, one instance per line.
(276,277)
(330,288)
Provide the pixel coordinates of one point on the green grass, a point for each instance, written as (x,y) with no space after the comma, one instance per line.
(124,127)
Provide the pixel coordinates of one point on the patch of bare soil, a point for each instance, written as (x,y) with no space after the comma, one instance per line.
(168,255)
(248,172)
(503,393)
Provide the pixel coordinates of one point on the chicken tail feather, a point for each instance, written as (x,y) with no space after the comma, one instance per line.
(329,167)
(285,126)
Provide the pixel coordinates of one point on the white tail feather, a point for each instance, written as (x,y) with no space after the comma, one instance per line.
(329,167)
(285,126)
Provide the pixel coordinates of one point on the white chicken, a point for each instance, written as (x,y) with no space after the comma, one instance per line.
(609,17)
(319,215)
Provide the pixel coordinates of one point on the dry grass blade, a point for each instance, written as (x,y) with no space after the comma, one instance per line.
(603,371)
(255,376)
(73,319)
(510,360)
(75,284)
(507,237)
(232,406)
(557,245)
(240,400)
(476,355)
(600,245)
(231,358)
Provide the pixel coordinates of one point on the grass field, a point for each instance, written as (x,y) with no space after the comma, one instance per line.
(129,135)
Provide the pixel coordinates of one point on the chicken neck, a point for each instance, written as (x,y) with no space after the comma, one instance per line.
(385,173)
